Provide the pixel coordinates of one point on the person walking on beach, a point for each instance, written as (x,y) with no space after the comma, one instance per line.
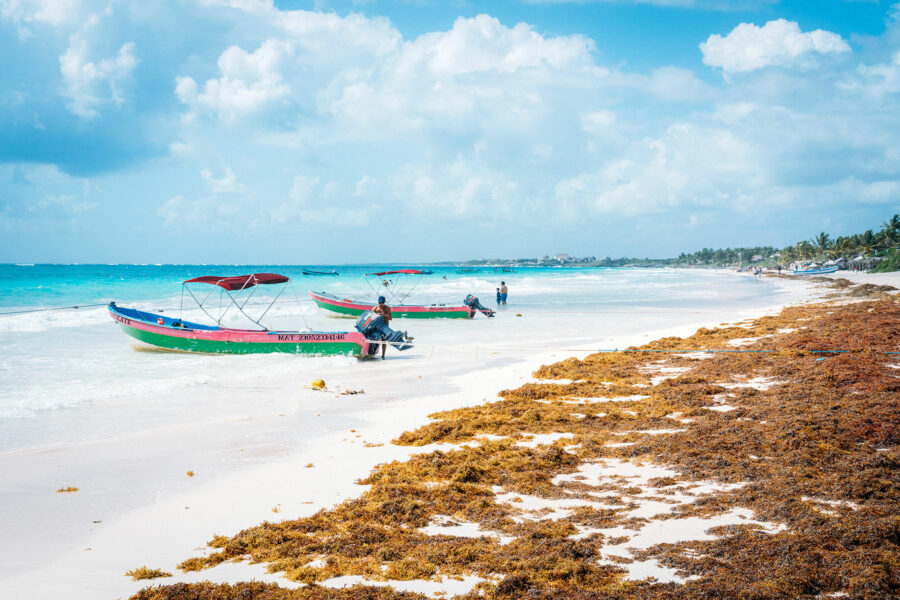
(503,292)
(385,311)
(498,296)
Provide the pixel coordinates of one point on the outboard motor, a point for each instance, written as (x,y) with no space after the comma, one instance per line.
(472,302)
(372,326)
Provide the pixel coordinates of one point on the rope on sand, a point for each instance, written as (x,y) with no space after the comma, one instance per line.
(34,310)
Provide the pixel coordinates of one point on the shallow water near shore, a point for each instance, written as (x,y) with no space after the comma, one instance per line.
(69,359)
(80,406)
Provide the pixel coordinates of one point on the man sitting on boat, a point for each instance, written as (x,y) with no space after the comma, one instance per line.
(385,311)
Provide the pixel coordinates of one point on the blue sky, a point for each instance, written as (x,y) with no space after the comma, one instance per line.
(249,131)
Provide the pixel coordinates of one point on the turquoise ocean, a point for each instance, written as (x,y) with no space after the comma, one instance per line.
(59,365)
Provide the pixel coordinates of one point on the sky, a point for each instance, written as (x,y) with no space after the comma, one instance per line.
(298,132)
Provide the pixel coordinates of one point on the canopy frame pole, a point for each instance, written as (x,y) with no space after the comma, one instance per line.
(205,298)
(391,288)
(241,310)
(284,287)
(252,292)
(251,281)
(411,290)
(369,283)
(240,307)
(200,304)
(299,305)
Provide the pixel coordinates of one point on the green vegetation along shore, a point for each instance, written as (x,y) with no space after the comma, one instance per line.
(878,251)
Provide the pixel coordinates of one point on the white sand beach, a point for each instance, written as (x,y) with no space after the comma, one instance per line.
(272,449)
(860,277)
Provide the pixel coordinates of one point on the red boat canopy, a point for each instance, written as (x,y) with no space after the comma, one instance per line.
(240,282)
(407,271)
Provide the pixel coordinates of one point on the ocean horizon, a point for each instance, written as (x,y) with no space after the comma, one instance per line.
(54,359)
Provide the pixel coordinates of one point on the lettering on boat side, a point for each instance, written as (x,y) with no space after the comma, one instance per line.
(122,319)
(310,337)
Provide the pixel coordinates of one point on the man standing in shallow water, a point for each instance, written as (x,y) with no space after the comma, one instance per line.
(503,292)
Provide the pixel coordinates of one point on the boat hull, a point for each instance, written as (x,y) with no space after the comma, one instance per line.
(815,271)
(220,340)
(354,308)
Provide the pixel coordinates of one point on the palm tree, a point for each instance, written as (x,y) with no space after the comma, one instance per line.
(866,242)
(789,254)
(822,242)
(891,230)
(806,250)
(842,246)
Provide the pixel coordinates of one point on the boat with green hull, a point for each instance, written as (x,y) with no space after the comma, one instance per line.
(398,285)
(185,336)
(353,308)
(168,333)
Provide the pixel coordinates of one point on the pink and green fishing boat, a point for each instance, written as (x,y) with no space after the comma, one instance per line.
(168,333)
(389,284)
(353,308)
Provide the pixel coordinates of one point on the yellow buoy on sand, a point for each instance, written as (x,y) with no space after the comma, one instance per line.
(318,384)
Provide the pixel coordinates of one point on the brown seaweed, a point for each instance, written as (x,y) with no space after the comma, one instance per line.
(812,436)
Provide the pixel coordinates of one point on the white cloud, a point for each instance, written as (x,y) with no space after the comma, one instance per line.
(248,82)
(303,189)
(476,123)
(362,186)
(304,196)
(779,43)
(690,165)
(172,210)
(51,207)
(242,5)
(329,39)
(599,122)
(671,83)
(734,113)
(699,4)
(90,85)
(311,201)
(25,13)
(455,191)
(878,79)
(483,44)
(226,185)
(479,75)
(873,192)
(179,212)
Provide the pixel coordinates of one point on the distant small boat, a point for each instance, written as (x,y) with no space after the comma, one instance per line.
(816,271)
(311,272)
(467,270)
